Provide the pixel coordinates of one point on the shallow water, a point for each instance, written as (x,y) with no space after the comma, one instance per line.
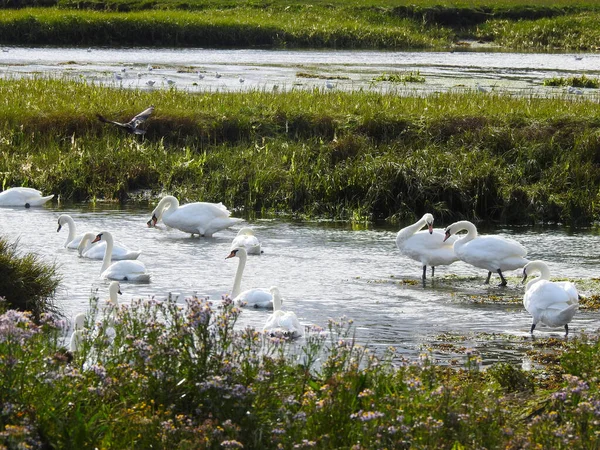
(324,271)
(518,73)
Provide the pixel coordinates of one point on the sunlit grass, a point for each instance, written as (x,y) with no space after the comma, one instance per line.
(336,154)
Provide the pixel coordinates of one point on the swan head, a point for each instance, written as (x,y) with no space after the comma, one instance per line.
(429,222)
(239,251)
(152,222)
(59,224)
(97,238)
(448,233)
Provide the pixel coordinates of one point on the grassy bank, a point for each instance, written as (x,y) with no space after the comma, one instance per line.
(398,24)
(344,155)
(160,375)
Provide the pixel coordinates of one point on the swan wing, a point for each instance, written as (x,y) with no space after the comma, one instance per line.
(127,270)
(255,298)
(558,316)
(196,217)
(249,242)
(544,295)
(571,291)
(429,249)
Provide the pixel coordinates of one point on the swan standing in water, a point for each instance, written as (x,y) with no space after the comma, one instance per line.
(73,239)
(428,246)
(552,303)
(126,270)
(23,196)
(199,218)
(255,298)
(246,238)
(493,253)
(282,322)
(96,251)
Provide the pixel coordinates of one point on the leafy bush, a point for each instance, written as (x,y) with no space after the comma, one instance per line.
(26,282)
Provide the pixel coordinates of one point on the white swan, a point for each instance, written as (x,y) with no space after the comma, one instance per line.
(493,253)
(78,333)
(246,238)
(282,322)
(23,196)
(126,270)
(552,303)
(255,298)
(73,239)
(199,218)
(428,246)
(96,251)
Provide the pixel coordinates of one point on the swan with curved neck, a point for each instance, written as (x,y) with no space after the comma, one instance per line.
(23,196)
(428,246)
(73,239)
(246,238)
(96,251)
(126,270)
(551,303)
(256,298)
(493,253)
(282,322)
(201,218)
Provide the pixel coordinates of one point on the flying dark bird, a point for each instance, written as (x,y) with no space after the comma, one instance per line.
(132,125)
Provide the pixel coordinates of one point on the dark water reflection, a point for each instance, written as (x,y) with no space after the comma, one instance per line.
(323,271)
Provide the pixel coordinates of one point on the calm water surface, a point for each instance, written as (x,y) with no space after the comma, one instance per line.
(519,73)
(323,270)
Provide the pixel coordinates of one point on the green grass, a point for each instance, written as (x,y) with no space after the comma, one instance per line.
(401,77)
(582,81)
(165,375)
(26,282)
(335,154)
(358,24)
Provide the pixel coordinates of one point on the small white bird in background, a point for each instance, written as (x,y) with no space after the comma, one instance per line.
(118,76)
(150,83)
(150,68)
(200,76)
(480,88)
(329,84)
(573,90)
(170,82)
(217,75)
(241,80)
(552,303)
(281,322)
(578,57)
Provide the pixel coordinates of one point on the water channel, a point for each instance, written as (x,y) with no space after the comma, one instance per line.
(324,270)
(493,71)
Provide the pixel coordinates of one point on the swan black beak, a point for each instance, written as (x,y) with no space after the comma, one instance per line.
(447,235)
(59,228)
(524,277)
(119,292)
(232,254)
(152,222)
(97,238)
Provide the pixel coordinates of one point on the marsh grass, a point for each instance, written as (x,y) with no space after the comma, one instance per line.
(26,282)
(161,374)
(580,81)
(398,24)
(361,155)
(401,77)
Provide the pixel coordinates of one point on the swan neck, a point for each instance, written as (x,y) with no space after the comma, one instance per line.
(469,227)
(237,282)
(83,245)
(107,260)
(408,231)
(72,227)
(276,302)
(166,206)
